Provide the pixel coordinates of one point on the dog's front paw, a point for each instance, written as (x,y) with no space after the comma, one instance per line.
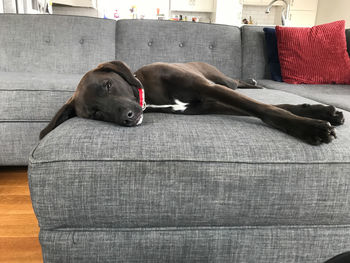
(335,117)
(322,112)
(316,132)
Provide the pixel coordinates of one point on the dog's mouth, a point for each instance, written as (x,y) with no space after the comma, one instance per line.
(139,119)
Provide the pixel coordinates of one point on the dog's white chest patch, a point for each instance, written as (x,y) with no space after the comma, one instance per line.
(178,106)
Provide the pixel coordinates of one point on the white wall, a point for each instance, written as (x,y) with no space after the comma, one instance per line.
(332,10)
(228,12)
(9,6)
(1,6)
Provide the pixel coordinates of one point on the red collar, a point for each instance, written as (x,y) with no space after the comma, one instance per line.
(142,99)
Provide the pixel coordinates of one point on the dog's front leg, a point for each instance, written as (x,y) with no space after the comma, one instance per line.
(307,129)
(315,111)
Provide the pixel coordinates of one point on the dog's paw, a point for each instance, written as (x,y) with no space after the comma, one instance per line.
(322,112)
(335,117)
(316,132)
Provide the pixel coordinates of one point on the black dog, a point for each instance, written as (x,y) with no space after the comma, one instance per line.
(342,258)
(112,93)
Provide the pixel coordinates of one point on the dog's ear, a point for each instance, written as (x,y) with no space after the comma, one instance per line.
(122,69)
(66,112)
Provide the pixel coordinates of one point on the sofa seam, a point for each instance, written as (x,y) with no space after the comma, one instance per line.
(242,52)
(37,90)
(192,228)
(21,121)
(179,22)
(33,162)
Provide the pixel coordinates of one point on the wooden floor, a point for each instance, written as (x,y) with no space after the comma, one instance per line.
(18,225)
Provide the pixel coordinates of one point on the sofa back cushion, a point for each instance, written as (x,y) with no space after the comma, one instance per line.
(140,42)
(51,43)
(347,35)
(254,55)
(272,53)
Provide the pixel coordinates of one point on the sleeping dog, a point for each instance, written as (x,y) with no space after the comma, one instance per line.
(112,93)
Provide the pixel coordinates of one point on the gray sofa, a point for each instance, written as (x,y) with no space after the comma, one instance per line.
(177,188)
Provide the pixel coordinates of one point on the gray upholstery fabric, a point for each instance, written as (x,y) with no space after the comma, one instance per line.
(24,81)
(33,96)
(228,171)
(337,95)
(42,59)
(28,102)
(273,244)
(18,139)
(142,42)
(254,55)
(61,44)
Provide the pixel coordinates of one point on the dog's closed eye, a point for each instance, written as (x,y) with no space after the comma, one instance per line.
(97,115)
(105,89)
(108,85)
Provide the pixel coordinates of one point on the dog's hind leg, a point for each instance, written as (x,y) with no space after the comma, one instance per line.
(213,74)
(240,84)
(234,83)
(249,84)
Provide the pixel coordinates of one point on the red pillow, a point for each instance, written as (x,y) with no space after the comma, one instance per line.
(315,55)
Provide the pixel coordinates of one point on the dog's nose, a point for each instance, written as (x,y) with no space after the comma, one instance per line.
(129,118)
(130,114)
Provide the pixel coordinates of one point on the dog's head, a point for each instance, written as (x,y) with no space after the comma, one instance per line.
(109,93)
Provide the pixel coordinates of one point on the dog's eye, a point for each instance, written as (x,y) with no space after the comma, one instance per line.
(97,115)
(108,85)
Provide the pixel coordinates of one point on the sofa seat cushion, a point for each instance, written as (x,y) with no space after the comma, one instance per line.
(336,95)
(193,171)
(34,96)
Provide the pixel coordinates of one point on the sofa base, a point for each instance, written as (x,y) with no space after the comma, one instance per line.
(213,244)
